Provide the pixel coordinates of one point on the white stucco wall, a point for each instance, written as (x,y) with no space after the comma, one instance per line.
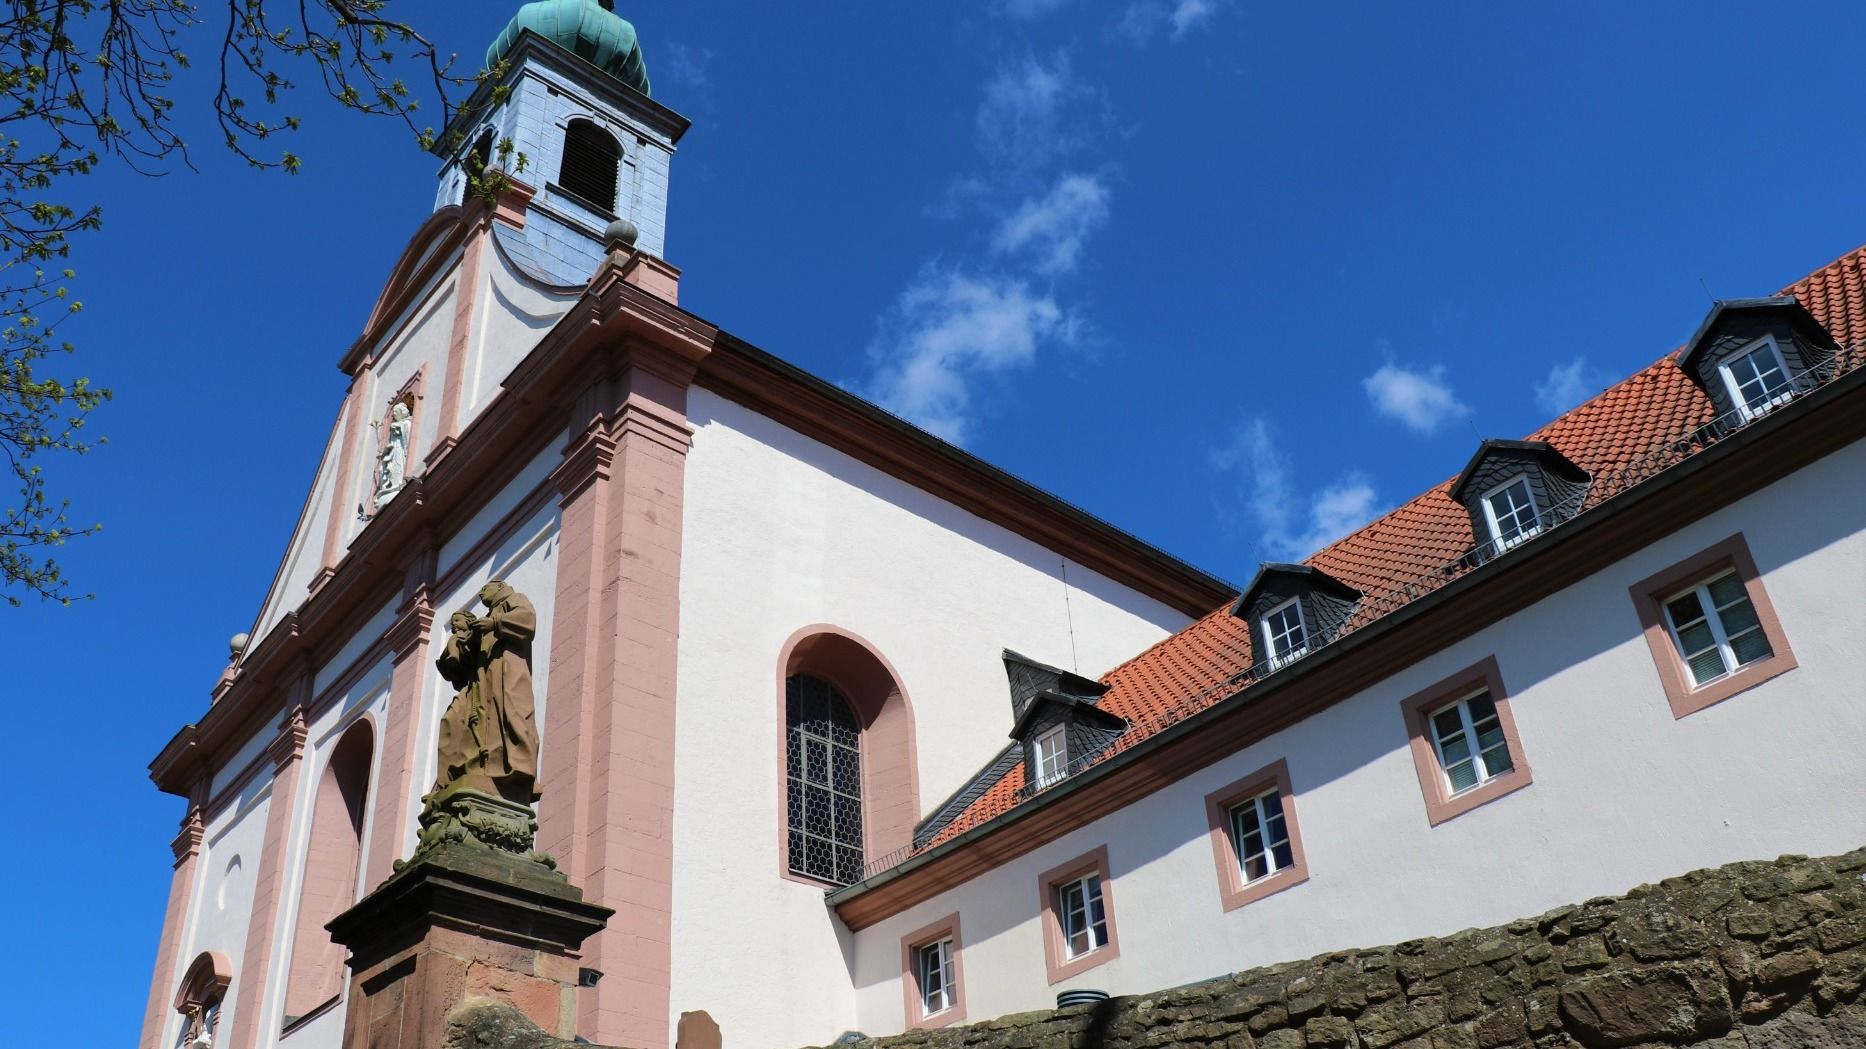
(221,898)
(513,313)
(1623,793)
(780,533)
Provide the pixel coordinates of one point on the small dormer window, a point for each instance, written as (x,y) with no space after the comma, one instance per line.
(1052,756)
(1510,508)
(1285,635)
(1756,377)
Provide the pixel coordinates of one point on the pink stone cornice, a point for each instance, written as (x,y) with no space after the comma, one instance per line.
(588,459)
(290,744)
(412,626)
(187,843)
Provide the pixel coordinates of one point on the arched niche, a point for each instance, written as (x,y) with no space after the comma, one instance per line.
(333,858)
(203,988)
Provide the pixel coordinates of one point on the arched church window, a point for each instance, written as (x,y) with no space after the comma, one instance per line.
(592,161)
(332,861)
(475,164)
(824,774)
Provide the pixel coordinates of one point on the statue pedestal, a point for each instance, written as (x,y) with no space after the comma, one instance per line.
(463,919)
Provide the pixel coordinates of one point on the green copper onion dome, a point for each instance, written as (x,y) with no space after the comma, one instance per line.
(589,29)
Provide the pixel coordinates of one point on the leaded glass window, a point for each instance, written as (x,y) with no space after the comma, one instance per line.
(1716,628)
(1468,737)
(824,777)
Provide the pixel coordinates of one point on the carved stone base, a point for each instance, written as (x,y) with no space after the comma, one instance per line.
(477,819)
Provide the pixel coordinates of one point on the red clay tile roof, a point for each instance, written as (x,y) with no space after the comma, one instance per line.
(1601,436)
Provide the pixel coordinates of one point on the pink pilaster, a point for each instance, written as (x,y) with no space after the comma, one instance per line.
(608,777)
(187,848)
(287,754)
(466,297)
(408,638)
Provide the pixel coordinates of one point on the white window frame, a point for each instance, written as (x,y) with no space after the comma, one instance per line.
(1255,803)
(1713,618)
(1283,659)
(1468,729)
(1050,751)
(1743,407)
(1490,512)
(1090,886)
(931,959)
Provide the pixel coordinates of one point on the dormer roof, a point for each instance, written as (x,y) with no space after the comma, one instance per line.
(1543,452)
(1311,578)
(1784,307)
(1075,708)
(1030,679)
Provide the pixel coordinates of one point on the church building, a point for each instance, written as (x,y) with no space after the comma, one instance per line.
(854,731)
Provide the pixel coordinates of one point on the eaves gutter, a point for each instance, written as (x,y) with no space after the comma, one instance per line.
(1578,529)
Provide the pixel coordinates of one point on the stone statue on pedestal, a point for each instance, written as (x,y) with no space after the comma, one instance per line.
(394,455)
(487,767)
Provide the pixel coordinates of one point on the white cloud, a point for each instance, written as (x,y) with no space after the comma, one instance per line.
(1141,20)
(1421,400)
(949,328)
(1189,13)
(1290,526)
(1027,9)
(686,65)
(1569,384)
(1052,227)
(1020,119)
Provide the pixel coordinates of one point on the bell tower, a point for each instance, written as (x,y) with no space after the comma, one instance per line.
(571,95)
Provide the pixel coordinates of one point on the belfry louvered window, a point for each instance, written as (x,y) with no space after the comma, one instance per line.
(824,777)
(592,161)
(475,163)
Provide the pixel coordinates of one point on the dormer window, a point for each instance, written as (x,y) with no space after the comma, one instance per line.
(1051,750)
(1751,356)
(1515,490)
(1285,637)
(1756,377)
(1510,509)
(1293,610)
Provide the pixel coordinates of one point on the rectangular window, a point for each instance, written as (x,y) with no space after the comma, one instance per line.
(1757,378)
(1261,836)
(1052,753)
(1285,635)
(1511,510)
(1716,628)
(1082,915)
(1468,736)
(936,980)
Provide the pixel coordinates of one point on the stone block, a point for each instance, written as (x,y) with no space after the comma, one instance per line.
(1669,1002)
(1328,1032)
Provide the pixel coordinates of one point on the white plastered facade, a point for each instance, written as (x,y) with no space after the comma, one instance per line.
(1774,769)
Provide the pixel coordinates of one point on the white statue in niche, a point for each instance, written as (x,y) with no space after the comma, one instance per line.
(393,473)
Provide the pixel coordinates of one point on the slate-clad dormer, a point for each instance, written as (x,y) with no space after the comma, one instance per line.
(1514,490)
(1057,720)
(1292,609)
(1750,355)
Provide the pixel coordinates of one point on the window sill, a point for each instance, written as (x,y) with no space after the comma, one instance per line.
(581,201)
(1729,685)
(1488,791)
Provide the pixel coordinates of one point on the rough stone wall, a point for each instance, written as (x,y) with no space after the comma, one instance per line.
(1760,955)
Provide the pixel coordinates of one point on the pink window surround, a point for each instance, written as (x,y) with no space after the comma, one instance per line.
(912,999)
(332,859)
(1233,890)
(890,774)
(1440,803)
(1648,593)
(1056,959)
(201,992)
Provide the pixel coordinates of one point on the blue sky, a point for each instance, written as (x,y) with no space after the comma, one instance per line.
(1235,277)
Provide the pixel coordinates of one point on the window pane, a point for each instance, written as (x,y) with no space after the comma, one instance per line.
(1725,589)
(1461,776)
(848,864)
(848,775)
(1285,857)
(1481,707)
(1247,818)
(848,821)
(1497,761)
(1738,617)
(1447,724)
(1455,749)
(1489,734)
(1696,638)
(1684,609)
(1706,665)
(1254,867)
(1750,647)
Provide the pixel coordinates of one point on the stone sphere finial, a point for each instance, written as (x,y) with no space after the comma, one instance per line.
(237,645)
(620,234)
